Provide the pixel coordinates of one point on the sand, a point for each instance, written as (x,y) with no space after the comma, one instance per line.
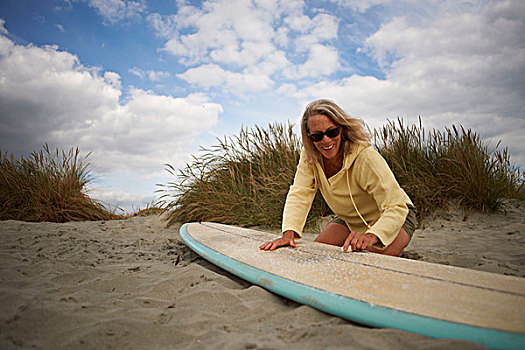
(133,284)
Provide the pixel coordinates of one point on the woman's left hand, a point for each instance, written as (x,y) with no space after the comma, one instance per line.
(359,241)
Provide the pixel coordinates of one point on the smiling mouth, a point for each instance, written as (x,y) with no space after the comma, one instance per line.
(328,148)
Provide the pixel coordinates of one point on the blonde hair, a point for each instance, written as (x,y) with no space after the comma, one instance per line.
(353,129)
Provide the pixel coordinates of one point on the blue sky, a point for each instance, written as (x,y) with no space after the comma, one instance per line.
(143,83)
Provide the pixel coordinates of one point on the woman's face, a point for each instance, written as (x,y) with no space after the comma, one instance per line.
(329,147)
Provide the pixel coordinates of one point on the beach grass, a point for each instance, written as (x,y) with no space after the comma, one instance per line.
(48,186)
(455,164)
(243,180)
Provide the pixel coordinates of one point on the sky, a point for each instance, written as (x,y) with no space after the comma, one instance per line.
(143,83)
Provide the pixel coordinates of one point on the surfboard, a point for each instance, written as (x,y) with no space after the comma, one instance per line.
(435,300)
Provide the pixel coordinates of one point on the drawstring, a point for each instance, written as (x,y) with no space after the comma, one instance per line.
(352,198)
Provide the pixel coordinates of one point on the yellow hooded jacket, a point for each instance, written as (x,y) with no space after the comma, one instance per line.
(364,193)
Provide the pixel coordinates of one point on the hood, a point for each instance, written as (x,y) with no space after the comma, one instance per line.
(350,158)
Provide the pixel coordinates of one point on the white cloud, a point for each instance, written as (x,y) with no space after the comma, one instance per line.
(249,44)
(322,60)
(113,80)
(119,200)
(47,95)
(361,5)
(319,29)
(155,75)
(117,10)
(2,26)
(212,75)
(458,67)
(164,26)
(151,75)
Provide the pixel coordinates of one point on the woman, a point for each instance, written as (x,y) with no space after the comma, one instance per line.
(373,212)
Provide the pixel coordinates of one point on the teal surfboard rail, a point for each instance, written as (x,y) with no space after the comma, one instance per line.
(355,310)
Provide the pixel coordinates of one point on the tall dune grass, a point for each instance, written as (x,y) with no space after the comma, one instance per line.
(455,164)
(47,186)
(244,180)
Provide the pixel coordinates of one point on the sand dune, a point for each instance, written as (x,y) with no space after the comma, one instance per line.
(133,284)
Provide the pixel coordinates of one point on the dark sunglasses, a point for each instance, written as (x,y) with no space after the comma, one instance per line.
(331,133)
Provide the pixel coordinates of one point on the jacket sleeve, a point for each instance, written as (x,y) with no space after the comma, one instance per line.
(376,178)
(300,197)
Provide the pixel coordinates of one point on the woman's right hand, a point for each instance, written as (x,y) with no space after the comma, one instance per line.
(286,240)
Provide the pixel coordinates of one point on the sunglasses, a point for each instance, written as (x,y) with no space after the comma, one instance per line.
(331,133)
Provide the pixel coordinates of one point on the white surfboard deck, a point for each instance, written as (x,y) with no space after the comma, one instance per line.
(430,299)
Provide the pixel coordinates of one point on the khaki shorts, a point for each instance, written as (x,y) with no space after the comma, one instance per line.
(409,226)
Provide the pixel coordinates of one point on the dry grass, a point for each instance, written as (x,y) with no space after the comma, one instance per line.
(244,180)
(455,164)
(47,186)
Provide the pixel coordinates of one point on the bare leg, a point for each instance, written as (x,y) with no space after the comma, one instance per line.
(335,234)
(396,247)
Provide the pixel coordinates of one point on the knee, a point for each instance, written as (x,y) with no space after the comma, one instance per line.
(397,246)
(333,234)
(404,238)
(322,238)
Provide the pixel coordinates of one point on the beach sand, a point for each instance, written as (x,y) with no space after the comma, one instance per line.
(133,284)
